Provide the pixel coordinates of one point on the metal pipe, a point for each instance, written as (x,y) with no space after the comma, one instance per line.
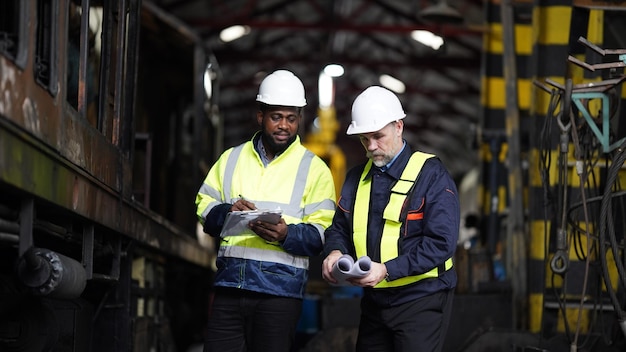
(9,226)
(47,273)
(9,237)
(516,237)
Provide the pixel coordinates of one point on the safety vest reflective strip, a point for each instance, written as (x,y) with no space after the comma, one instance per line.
(262,254)
(229,171)
(251,246)
(392,217)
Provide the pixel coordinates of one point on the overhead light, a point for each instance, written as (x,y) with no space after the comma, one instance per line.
(325,90)
(208,81)
(427,38)
(441,13)
(392,83)
(334,70)
(233,33)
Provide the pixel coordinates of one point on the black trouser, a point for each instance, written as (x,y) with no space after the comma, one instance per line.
(242,321)
(416,326)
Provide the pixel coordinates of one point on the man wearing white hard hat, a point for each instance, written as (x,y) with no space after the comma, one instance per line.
(262,268)
(400,209)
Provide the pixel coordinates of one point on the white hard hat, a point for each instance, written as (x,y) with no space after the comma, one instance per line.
(373,109)
(282,88)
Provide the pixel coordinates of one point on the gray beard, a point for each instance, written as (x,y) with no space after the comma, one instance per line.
(379,163)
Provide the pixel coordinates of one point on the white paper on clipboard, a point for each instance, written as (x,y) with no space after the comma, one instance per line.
(236,222)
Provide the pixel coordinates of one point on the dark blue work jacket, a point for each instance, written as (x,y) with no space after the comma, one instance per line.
(424,245)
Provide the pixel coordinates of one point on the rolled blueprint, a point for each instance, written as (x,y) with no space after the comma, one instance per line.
(345,267)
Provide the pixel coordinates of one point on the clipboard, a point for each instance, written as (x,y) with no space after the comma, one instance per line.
(236,222)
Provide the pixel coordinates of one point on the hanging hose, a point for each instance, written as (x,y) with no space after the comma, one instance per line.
(606,228)
(582,176)
(545,162)
(606,222)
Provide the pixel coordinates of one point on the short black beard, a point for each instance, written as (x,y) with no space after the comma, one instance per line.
(274,147)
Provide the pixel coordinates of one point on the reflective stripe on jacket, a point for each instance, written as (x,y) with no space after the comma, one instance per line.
(297,182)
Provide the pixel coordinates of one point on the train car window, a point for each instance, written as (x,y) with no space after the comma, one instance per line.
(118,73)
(101,58)
(12,30)
(83,59)
(45,54)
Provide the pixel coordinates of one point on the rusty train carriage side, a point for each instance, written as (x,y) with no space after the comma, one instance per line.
(88,262)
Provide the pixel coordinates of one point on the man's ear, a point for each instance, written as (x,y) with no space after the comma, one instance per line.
(259,117)
(399,127)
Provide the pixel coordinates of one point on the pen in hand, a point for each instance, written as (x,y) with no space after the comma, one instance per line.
(244,204)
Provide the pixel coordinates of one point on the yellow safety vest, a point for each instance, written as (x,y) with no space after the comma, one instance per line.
(392,216)
(288,184)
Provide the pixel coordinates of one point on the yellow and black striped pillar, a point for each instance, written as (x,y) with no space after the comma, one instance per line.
(494,149)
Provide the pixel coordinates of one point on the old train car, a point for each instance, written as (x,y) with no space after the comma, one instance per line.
(104,126)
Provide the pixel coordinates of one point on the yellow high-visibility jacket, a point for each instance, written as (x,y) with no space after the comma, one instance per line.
(296,181)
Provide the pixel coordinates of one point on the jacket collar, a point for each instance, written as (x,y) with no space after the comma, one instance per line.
(258,146)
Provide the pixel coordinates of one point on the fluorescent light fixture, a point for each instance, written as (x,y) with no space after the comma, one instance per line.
(325,90)
(427,38)
(334,70)
(233,33)
(208,81)
(392,83)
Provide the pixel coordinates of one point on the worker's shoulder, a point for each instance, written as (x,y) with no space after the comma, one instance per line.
(435,164)
(318,164)
(236,148)
(354,173)
(434,170)
(314,157)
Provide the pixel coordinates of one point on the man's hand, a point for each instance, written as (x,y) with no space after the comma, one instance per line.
(242,204)
(377,273)
(327,266)
(268,231)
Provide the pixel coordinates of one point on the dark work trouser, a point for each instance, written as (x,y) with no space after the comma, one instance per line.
(416,326)
(246,321)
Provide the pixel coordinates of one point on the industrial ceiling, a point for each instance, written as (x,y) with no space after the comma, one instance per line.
(368,38)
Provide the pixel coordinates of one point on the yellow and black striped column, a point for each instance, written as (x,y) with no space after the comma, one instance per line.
(494,150)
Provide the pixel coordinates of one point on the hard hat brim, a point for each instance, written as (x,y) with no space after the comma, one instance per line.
(352,129)
(278,102)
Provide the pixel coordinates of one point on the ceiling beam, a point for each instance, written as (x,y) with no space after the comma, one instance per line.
(237,56)
(327,26)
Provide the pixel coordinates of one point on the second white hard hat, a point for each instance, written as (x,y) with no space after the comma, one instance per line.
(282,88)
(373,109)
